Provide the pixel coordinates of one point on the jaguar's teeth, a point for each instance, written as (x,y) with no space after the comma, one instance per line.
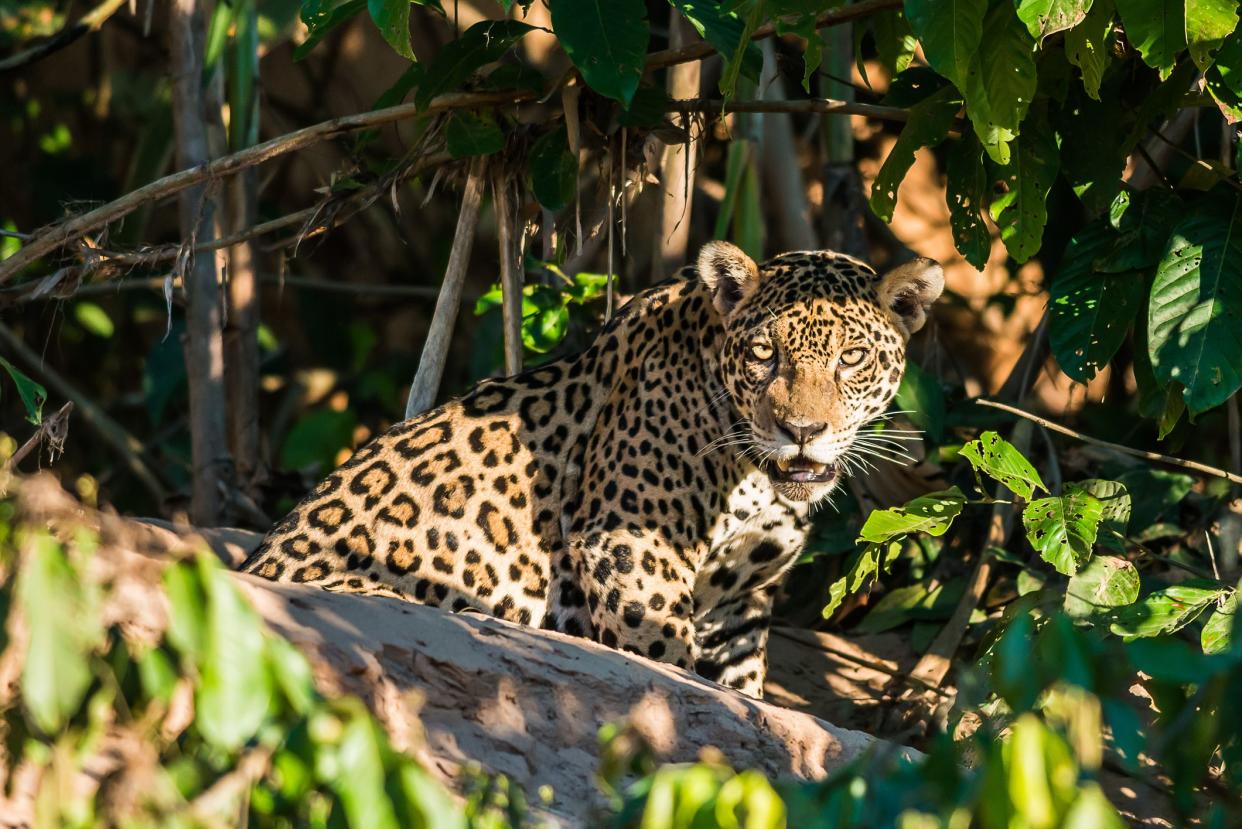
(783,464)
(819,468)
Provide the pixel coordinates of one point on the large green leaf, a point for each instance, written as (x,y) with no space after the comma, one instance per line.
(32,394)
(1062,529)
(1046,17)
(950,32)
(930,121)
(1090,312)
(553,170)
(1115,518)
(865,568)
(321,18)
(967,189)
(1001,81)
(606,40)
(1106,582)
(894,41)
(1208,23)
(1088,45)
(1022,212)
(1217,634)
(1144,221)
(999,459)
(234,690)
(481,44)
(64,629)
(392,17)
(1091,131)
(921,397)
(932,514)
(1157,28)
(1166,611)
(724,30)
(1195,315)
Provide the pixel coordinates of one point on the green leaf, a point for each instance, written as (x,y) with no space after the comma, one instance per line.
(932,514)
(234,691)
(187,611)
(967,183)
(1115,518)
(64,629)
(1046,17)
(483,43)
(1145,222)
(1001,83)
(392,18)
(32,394)
(1089,45)
(912,602)
(1195,313)
(544,330)
(723,29)
(1217,634)
(1090,131)
(1022,212)
(321,21)
(930,121)
(94,319)
(894,41)
(316,439)
(998,459)
(1157,28)
(553,170)
(950,32)
(921,397)
(606,40)
(1062,529)
(1090,312)
(1092,810)
(865,568)
(1165,611)
(360,775)
(1208,23)
(1106,582)
(471,133)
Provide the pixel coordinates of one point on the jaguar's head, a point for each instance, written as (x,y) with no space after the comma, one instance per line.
(814,350)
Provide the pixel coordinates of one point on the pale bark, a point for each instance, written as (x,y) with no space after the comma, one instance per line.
(843,210)
(204,340)
(678,167)
(510,273)
(779,162)
(435,350)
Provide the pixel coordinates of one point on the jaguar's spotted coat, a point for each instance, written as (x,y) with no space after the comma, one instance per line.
(648,493)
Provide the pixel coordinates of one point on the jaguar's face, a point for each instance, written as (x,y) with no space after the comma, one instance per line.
(814,350)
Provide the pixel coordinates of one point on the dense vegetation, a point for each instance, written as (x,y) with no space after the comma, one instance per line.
(1086,596)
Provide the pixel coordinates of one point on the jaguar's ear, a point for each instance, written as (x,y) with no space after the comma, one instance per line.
(728,273)
(908,290)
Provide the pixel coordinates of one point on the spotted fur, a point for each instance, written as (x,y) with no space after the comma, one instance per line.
(649,492)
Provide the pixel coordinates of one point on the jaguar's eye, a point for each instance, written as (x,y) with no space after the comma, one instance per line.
(762,351)
(852,356)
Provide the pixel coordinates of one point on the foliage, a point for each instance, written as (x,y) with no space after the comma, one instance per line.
(191,709)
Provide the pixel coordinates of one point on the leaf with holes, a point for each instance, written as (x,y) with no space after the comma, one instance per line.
(1022,212)
(967,185)
(1000,84)
(930,121)
(1208,23)
(606,40)
(1088,45)
(1157,29)
(998,459)
(894,41)
(1217,633)
(1091,312)
(1166,611)
(1115,519)
(865,568)
(1106,582)
(1046,17)
(932,514)
(483,43)
(1144,221)
(1195,312)
(1062,528)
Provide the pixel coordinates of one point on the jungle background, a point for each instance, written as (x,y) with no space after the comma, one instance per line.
(388,201)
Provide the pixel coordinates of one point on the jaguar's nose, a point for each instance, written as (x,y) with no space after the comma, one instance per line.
(801,432)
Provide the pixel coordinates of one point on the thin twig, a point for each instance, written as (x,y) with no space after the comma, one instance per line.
(834,17)
(88,22)
(53,429)
(127,447)
(1137,453)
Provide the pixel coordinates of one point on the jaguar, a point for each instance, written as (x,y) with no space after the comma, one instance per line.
(649,492)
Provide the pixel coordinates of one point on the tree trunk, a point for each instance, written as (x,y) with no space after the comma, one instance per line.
(198,213)
(677,169)
(782,175)
(842,217)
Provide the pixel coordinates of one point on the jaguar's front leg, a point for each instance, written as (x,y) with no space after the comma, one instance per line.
(638,594)
(732,640)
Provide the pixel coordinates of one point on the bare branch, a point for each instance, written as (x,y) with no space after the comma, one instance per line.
(1117,447)
(88,22)
(435,349)
(53,430)
(510,273)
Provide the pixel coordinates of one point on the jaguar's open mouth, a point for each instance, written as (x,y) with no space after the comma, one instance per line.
(800,470)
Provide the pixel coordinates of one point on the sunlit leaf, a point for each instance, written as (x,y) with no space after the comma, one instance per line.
(1062,529)
(932,514)
(1087,45)
(1022,212)
(863,570)
(1217,634)
(998,459)
(606,40)
(1157,28)
(94,319)
(1106,582)
(1166,611)
(1046,17)
(949,32)
(1000,85)
(32,394)
(966,190)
